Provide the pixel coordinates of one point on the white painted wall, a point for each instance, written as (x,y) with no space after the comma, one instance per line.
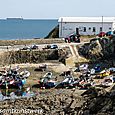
(67,28)
(113,26)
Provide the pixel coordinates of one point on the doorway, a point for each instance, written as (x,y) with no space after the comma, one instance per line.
(77,31)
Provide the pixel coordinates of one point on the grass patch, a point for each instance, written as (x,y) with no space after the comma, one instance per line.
(30,41)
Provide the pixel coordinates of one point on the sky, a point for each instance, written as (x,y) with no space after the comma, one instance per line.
(53,9)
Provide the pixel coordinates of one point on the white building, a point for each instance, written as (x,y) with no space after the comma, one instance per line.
(85,25)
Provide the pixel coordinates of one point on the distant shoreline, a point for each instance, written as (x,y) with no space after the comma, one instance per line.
(30,19)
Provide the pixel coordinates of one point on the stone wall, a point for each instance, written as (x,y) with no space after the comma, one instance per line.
(33,56)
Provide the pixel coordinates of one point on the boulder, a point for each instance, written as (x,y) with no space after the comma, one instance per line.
(98,48)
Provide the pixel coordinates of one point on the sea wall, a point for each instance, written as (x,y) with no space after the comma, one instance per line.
(54,33)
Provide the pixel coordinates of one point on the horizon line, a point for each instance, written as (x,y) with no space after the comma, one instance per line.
(28,18)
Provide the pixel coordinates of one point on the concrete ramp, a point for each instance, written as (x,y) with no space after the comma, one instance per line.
(71,61)
(75,58)
(74,50)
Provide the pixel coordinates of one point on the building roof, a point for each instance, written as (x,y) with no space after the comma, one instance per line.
(86,19)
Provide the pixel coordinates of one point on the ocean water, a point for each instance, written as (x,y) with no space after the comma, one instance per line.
(26,28)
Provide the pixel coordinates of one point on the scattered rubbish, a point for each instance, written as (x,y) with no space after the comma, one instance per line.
(84,81)
(42,67)
(104,73)
(108,81)
(13,78)
(67,82)
(46,82)
(65,73)
(83,67)
(96,69)
(15,94)
(112,70)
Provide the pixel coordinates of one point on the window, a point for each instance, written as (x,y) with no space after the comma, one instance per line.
(89,28)
(94,29)
(84,29)
(109,28)
(100,29)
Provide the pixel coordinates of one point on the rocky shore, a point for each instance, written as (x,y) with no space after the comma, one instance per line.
(66,102)
(50,102)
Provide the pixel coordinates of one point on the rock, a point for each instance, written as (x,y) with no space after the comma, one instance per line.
(46,107)
(86,112)
(98,48)
(62,113)
(73,105)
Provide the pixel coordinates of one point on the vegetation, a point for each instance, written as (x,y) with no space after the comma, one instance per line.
(29,42)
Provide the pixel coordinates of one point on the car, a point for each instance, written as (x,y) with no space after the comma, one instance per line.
(53,46)
(73,38)
(34,47)
(26,48)
(48,47)
(109,33)
(101,34)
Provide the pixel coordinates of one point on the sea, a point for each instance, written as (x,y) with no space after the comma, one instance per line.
(26,28)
